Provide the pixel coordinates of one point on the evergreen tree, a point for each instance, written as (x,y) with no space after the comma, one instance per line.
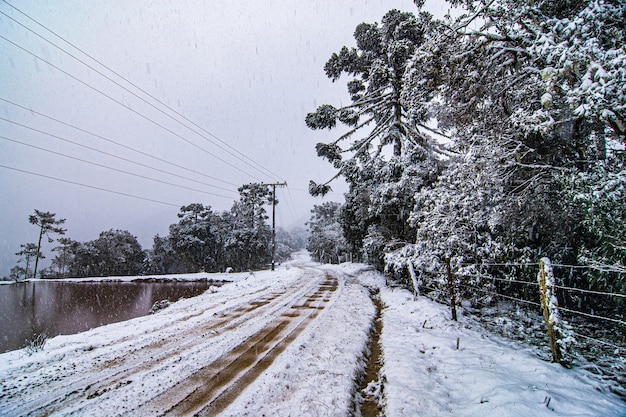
(379,64)
(28,253)
(248,237)
(163,259)
(47,224)
(531,103)
(194,239)
(115,252)
(326,242)
(382,183)
(64,259)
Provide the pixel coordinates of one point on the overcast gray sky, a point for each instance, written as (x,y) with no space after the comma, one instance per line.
(244,74)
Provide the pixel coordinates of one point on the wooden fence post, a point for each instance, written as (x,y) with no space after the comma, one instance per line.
(546,292)
(451,289)
(414,281)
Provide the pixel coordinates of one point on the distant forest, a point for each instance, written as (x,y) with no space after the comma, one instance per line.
(202,240)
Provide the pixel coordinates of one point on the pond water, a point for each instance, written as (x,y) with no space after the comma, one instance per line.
(54,308)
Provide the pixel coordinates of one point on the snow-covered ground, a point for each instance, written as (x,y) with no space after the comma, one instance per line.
(425,374)
(291,342)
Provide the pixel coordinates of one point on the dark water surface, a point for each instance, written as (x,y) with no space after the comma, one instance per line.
(54,307)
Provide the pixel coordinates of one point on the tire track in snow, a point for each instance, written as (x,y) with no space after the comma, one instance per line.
(214,387)
(74,392)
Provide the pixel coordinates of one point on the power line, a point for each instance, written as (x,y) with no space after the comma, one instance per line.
(123,146)
(262,168)
(293,208)
(107,153)
(89,186)
(111,168)
(129,108)
(328,193)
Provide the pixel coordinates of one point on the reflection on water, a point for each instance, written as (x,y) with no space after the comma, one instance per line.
(56,308)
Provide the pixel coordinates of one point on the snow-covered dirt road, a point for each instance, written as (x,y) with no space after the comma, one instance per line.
(291,343)
(206,354)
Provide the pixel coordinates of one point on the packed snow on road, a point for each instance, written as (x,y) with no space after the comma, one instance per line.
(294,342)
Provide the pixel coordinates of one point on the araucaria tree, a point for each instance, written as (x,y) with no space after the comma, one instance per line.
(47,225)
(382,183)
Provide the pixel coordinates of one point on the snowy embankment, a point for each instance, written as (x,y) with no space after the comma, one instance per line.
(290,342)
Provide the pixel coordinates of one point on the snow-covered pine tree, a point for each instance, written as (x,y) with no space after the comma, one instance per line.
(380,196)
(27,254)
(193,238)
(326,242)
(48,224)
(509,94)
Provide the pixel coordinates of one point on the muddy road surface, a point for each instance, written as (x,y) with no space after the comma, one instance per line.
(196,359)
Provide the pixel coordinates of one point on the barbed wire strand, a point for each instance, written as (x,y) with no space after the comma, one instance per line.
(598,340)
(593,316)
(601,268)
(608,294)
(501,295)
(502,264)
(562,287)
(512,280)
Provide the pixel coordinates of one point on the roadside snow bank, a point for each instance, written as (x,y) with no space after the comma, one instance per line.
(426,375)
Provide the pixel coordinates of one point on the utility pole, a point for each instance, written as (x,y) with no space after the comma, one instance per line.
(274,185)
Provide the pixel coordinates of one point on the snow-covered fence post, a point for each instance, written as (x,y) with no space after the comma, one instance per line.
(451,289)
(549,305)
(414,280)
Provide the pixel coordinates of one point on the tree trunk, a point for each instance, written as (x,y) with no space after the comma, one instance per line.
(38,252)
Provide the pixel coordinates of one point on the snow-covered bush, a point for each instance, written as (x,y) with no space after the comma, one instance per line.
(326,242)
(599,195)
(457,219)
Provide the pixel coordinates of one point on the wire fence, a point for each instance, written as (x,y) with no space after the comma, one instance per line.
(593,312)
(565,290)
